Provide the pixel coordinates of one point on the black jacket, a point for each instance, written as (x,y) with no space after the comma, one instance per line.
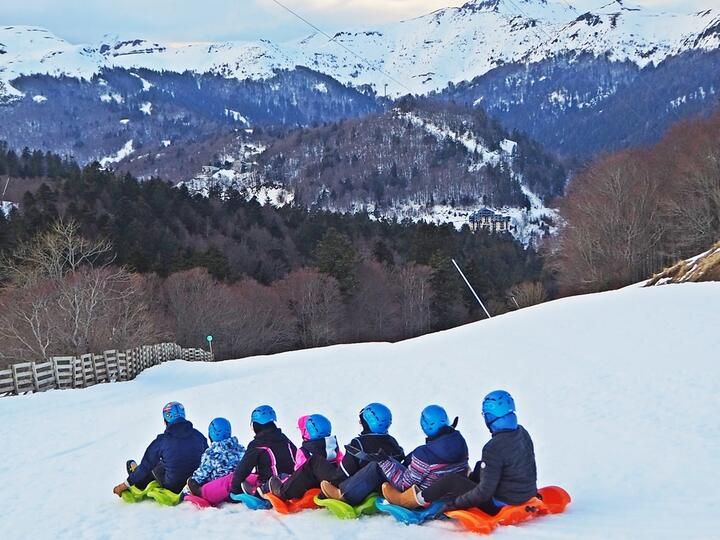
(326,447)
(179,449)
(368,447)
(507,471)
(258,458)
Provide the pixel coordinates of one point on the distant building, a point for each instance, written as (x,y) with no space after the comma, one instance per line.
(489,220)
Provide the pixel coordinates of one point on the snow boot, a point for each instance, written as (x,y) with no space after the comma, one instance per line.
(275,486)
(130,466)
(194,487)
(330,491)
(406,499)
(248,488)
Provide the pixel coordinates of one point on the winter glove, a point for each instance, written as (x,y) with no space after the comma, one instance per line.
(118,490)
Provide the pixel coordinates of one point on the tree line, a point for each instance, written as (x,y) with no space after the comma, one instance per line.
(634,212)
(165,264)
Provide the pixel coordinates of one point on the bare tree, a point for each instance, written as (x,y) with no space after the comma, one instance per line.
(415,294)
(528,293)
(314,301)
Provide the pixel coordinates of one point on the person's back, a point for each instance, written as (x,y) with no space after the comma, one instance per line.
(507,473)
(269,454)
(221,458)
(182,449)
(374,443)
(511,454)
(445,452)
(171,458)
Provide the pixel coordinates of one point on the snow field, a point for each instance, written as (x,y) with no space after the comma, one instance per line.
(619,391)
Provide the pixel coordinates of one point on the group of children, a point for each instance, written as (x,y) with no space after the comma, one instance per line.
(438,470)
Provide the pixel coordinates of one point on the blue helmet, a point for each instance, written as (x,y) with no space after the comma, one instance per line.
(317,426)
(173,411)
(377,417)
(219,430)
(498,410)
(432,419)
(264,414)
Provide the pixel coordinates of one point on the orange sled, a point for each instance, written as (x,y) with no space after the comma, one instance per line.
(295,505)
(554,500)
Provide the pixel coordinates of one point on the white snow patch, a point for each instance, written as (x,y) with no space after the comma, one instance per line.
(124,121)
(109,97)
(146,108)
(146,85)
(606,425)
(6,207)
(166,142)
(321,87)
(39,99)
(121,154)
(238,117)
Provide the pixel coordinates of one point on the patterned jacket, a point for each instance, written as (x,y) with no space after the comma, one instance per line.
(219,460)
(443,454)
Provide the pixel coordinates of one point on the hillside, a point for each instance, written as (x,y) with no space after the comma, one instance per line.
(619,74)
(703,267)
(423,54)
(603,399)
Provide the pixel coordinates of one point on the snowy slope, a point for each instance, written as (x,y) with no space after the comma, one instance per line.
(421,54)
(618,389)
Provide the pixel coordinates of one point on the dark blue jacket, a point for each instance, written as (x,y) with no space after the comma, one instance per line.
(507,472)
(179,449)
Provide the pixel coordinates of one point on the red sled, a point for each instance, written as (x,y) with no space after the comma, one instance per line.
(197,501)
(554,501)
(305,502)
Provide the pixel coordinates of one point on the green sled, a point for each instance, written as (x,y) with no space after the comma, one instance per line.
(152,491)
(343,510)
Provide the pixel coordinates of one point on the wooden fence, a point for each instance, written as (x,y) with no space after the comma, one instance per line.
(61,372)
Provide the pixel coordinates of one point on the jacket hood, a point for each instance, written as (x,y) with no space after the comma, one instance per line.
(227,444)
(270,435)
(182,429)
(449,447)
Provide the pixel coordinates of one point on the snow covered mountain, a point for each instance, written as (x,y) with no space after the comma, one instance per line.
(419,55)
(600,381)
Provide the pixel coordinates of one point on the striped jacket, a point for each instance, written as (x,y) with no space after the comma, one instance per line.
(443,454)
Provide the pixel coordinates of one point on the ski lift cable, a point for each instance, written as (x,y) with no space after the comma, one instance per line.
(348,49)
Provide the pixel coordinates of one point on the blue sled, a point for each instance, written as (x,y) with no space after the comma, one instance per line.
(410,517)
(253,503)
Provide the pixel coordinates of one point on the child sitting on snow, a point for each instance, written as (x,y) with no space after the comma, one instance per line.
(444,452)
(220,459)
(269,453)
(373,443)
(506,475)
(317,459)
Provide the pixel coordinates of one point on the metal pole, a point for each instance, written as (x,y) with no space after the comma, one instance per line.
(7,183)
(471,288)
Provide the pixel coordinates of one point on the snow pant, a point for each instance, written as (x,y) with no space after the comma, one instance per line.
(157,474)
(451,486)
(309,476)
(364,482)
(218,490)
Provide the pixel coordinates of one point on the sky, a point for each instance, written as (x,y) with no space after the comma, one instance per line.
(87,21)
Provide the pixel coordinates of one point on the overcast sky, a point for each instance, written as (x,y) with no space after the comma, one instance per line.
(82,21)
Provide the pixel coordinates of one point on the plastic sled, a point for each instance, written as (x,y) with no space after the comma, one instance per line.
(306,502)
(152,491)
(407,516)
(554,501)
(343,510)
(252,502)
(197,501)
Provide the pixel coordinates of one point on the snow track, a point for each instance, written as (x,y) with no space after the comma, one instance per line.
(619,391)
